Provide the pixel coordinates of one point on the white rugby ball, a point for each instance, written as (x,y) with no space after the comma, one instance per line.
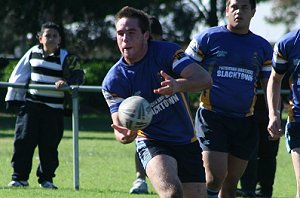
(135,113)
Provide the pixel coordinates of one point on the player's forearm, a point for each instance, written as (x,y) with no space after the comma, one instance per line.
(195,79)
(273,96)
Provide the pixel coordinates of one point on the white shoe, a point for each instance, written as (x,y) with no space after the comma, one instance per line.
(139,187)
(13,184)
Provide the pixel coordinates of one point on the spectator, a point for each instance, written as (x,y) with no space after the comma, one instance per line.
(40,112)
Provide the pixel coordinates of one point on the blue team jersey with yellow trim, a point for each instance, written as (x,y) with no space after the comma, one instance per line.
(236,63)
(172,121)
(286,60)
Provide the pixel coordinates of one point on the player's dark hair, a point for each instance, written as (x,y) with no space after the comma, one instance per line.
(252,3)
(155,26)
(130,12)
(51,25)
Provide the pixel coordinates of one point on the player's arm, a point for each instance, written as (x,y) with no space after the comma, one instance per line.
(122,134)
(194,78)
(273,97)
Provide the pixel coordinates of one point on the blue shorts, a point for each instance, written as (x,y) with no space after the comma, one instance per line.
(188,157)
(292,135)
(237,136)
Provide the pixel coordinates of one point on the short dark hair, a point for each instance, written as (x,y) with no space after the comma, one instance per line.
(51,25)
(130,12)
(155,26)
(252,3)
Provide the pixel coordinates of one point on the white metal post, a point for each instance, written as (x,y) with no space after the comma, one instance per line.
(75,137)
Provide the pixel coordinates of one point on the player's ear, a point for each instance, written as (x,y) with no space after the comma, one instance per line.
(39,38)
(253,12)
(147,35)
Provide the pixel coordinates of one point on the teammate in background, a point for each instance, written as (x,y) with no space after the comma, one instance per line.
(259,176)
(139,185)
(286,62)
(237,60)
(162,74)
(41,116)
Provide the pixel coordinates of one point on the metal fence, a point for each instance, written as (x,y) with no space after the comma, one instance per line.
(75,126)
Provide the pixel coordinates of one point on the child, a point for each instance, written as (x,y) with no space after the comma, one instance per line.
(41,112)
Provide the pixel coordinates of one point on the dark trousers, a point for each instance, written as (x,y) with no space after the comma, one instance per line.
(261,169)
(37,125)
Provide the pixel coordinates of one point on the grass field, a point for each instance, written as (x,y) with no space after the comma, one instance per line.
(106,166)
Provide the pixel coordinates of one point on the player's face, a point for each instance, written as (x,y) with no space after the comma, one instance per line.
(132,43)
(239,15)
(50,39)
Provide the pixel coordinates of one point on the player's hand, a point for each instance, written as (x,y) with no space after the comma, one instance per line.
(169,86)
(274,128)
(124,135)
(60,83)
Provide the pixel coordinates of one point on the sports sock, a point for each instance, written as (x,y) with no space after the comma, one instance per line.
(212,193)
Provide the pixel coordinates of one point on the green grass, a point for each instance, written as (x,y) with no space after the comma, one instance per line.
(106,166)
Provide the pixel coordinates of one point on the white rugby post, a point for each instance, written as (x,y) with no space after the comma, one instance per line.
(75,121)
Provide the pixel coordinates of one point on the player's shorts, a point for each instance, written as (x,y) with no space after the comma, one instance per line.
(237,136)
(188,157)
(292,135)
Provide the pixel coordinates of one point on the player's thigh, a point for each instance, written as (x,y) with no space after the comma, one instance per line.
(162,172)
(236,167)
(295,153)
(215,164)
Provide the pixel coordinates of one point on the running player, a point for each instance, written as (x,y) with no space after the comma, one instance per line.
(160,72)
(286,59)
(237,60)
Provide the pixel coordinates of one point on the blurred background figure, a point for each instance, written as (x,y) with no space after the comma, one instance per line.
(259,176)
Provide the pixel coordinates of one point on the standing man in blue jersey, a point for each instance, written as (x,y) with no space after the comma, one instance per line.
(160,72)
(237,60)
(286,61)
(40,120)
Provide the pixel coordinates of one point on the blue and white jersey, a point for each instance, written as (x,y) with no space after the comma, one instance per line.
(236,63)
(286,60)
(172,121)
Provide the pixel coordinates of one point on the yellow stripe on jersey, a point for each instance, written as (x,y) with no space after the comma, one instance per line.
(190,115)
(278,58)
(291,117)
(252,107)
(205,96)
(179,57)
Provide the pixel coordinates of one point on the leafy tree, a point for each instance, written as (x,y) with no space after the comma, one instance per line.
(88,25)
(285,12)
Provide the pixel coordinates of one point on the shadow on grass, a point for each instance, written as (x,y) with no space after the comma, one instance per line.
(87,122)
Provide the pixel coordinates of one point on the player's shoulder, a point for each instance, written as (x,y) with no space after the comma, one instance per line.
(260,41)
(211,32)
(290,37)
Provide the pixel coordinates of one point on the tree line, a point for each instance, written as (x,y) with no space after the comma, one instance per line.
(89,25)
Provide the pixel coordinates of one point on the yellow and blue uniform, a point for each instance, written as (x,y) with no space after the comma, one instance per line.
(236,63)
(286,60)
(171,131)
(171,120)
